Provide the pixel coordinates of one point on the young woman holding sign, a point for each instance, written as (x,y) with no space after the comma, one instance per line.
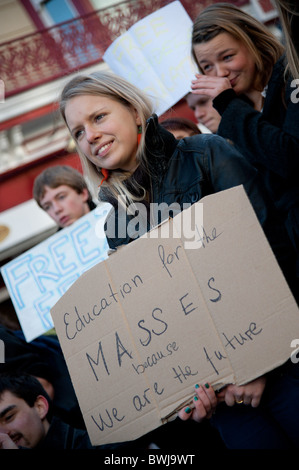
(133,160)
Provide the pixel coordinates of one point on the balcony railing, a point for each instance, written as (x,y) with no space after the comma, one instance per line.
(52,53)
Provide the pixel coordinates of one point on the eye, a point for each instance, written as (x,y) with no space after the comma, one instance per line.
(46,206)
(99,117)
(206,67)
(228,57)
(78,134)
(9,417)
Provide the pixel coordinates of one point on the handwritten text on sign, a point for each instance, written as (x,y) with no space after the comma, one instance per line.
(39,277)
(140,329)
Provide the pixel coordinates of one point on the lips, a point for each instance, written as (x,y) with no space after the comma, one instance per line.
(103,149)
(64,220)
(233,81)
(16,438)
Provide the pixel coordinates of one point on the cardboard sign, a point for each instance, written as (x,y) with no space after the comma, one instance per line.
(155,55)
(141,328)
(40,276)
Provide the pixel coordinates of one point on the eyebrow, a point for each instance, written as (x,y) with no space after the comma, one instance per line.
(61,192)
(6,410)
(230,49)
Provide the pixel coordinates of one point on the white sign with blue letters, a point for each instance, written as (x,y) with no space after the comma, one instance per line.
(40,276)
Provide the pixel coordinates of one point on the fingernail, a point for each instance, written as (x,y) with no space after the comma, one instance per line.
(195,398)
(207,385)
(188,410)
(196,386)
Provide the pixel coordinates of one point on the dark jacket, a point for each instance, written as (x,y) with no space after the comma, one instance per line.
(63,436)
(43,358)
(187,170)
(269,140)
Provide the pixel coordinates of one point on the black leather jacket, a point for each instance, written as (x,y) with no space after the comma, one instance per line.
(185,171)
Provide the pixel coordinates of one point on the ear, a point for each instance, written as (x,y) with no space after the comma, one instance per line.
(42,406)
(85,195)
(137,117)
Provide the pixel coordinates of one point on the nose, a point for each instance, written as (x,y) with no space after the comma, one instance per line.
(56,207)
(199,112)
(92,134)
(221,70)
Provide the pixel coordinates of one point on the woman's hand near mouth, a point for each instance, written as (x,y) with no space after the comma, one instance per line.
(210,86)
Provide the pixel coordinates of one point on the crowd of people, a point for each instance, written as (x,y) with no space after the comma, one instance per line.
(243,95)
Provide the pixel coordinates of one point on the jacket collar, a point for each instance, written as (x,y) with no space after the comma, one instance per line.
(160,146)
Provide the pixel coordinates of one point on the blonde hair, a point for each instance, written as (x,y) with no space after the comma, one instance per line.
(260,42)
(111,86)
(286,11)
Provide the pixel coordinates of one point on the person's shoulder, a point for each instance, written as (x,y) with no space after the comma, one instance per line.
(194,141)
(279,71)
(63,436)
(201,142)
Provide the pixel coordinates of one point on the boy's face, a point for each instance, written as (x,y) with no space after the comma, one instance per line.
(26,426)
(64,204)
(202,106)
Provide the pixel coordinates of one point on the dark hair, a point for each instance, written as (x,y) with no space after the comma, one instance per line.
(180,123)
(59,175)
(23,386)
